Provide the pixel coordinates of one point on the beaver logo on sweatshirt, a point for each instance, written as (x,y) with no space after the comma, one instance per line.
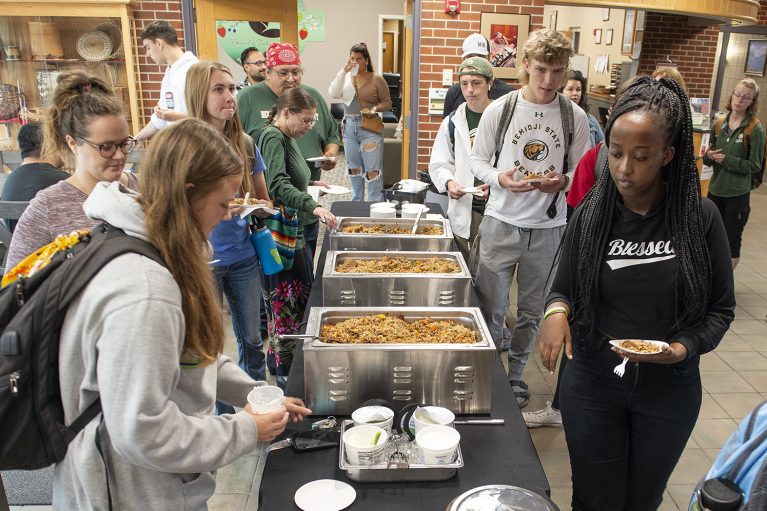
(536,150)
(643,252)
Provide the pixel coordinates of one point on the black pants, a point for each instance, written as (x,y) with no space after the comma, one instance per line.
(734,211)
(625,435)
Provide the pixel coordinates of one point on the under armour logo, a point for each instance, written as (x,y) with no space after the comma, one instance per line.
(539,114)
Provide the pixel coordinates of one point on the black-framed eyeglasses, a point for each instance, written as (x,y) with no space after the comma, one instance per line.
(108,149)
(257,63)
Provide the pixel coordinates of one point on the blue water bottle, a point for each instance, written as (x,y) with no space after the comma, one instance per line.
(267,250)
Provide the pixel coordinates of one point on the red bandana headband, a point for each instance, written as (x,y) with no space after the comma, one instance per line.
(282,54)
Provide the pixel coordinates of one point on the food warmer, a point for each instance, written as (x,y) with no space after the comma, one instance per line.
(340,240)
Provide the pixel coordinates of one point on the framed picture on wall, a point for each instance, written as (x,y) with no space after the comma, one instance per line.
(609,37)
(506,33)
(629,23)
(597,36)
(756,57)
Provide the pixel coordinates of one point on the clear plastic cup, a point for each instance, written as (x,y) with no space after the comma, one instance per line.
(266,399)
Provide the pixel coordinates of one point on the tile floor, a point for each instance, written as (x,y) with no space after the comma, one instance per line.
(734,382)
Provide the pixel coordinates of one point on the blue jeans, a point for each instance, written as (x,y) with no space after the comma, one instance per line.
(625,435)
(241,284)
(364,154)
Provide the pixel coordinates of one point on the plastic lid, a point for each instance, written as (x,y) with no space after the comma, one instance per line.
(720,495)
(502,498)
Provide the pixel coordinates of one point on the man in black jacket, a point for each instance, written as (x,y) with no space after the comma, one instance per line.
(475,45)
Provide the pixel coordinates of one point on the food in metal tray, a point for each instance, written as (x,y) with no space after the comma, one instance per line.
(388,264)
(426,230)
(639,346)
(390,329)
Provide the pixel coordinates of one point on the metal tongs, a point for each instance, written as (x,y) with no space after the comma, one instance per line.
(398,459)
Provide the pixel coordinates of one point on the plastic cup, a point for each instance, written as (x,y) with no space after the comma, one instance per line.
(361,447)
(371,415)
(437,444)
(432,416)
(265,399)
(411,210)
(380,210)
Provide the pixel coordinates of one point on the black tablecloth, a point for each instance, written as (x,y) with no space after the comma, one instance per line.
(492,454)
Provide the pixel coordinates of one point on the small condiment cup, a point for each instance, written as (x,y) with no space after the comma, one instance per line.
(437,444)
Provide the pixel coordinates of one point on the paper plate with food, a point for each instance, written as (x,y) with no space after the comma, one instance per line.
(322,158)
(532,177)
(249,205)
(474,190)
(639,346)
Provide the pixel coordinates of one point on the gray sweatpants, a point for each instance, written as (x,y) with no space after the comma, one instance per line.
(502,248)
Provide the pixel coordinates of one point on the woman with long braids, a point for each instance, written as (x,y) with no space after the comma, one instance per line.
(644,257)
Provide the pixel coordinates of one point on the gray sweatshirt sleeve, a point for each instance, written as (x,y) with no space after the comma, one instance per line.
(151,422)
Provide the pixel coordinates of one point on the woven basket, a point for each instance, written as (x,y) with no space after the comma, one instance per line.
(10,101)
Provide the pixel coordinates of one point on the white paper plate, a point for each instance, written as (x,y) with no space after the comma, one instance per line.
(325,495)
(617,344)
(473,190)
(335,189)
(321,158)
(250,209)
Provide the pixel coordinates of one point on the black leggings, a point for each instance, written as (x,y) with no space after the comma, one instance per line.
(734,211)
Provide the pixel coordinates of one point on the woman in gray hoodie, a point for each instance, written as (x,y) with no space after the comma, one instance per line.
(147,339)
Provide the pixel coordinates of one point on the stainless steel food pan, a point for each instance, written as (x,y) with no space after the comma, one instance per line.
(395,289)
(349,241)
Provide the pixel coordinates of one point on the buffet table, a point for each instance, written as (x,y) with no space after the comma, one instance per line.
(492,454)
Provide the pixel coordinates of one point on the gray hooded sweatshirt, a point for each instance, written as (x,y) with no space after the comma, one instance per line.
(122,340)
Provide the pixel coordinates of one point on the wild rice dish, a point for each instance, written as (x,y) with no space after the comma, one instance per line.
(384,328)
(427,230)
(638,346)
(251,201)
(388,264)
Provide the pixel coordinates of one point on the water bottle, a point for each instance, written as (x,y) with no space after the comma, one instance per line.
(266,250)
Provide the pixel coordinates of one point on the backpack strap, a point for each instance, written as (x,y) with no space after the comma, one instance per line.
(509,105)
(568,127)
(451,129)
(747,133)
(601,161)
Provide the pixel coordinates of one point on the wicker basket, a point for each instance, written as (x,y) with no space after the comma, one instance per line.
(10,102)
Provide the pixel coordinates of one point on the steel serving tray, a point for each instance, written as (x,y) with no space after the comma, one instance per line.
(395,289)
(384,472)
(351,241)
(338,378)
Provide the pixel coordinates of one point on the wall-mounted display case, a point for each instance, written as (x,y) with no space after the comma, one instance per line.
(39,40)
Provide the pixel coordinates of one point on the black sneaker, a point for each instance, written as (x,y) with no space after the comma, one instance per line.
(520,392)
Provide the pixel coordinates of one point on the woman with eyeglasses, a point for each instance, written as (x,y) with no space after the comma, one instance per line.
(365,95)
(736,152)
(287,176)
(88,129)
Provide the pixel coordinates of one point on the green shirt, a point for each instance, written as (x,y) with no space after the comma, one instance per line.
(472,120)
(255,102)
(287,175)
(733,176)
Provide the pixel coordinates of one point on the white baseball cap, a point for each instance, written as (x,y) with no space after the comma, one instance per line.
(475,44)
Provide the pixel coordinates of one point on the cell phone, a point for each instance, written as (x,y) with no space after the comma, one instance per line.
(317,439)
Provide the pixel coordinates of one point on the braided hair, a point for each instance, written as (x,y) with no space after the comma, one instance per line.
(683,217)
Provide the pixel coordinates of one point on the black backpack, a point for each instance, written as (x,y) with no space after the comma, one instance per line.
(32,311)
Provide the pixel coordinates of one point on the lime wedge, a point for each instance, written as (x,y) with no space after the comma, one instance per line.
(375,439)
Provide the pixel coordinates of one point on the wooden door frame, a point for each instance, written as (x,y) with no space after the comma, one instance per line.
(381,18)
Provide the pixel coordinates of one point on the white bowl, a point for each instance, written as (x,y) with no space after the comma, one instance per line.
(437,444)
(411,210)
(359,446)
(382,212)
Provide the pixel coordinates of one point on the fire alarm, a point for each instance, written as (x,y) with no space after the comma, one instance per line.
(452,6)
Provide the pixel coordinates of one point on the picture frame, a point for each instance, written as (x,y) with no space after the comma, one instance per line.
(629,25)
(514,30)
(609,37)
(606,14)
(756,57)
(553,20)
(597,36)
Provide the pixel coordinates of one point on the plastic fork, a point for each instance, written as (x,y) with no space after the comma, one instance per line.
(620,369)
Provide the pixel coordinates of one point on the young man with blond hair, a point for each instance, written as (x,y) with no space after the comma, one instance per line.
(527,158)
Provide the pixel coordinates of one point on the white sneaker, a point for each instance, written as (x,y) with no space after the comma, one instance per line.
(546,417)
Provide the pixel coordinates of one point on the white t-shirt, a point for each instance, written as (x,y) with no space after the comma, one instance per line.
(534,143)
(172,89)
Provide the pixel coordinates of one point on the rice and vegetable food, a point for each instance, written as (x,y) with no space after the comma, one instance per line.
(389,329)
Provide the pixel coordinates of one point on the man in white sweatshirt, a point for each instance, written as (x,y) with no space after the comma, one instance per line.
(525,216)
(161,44)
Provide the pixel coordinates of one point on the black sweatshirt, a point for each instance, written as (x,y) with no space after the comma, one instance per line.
(639,279)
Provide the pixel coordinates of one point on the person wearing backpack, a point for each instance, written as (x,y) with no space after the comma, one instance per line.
(644,257)
(146,339)
(737,154)
(526,147)
(449,161)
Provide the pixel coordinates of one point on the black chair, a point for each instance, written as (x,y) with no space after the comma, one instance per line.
(9,210)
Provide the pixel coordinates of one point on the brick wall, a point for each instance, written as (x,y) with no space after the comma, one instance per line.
(150,74)
(441,38)
(693,47)
(761,16)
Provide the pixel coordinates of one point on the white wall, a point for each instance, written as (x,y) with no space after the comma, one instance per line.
(733,73)
(347,22)
(588,19)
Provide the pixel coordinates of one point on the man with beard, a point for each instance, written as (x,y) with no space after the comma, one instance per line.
(254,64)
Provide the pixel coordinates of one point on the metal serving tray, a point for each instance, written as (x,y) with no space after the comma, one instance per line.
(338,378)
(385,472)
(348,241)
(396,289)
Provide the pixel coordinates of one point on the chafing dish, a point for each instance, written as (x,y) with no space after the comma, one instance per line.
(350,241)
(340,377)
(396,289)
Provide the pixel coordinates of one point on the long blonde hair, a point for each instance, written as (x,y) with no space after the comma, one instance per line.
(196,92)
(189,152)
